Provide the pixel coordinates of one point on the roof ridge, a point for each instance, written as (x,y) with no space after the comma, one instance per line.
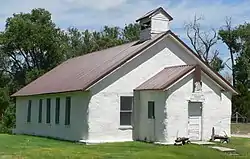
(140,49)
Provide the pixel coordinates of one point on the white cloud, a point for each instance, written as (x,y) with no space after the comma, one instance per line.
(214,12)
(85,13)
(96,4)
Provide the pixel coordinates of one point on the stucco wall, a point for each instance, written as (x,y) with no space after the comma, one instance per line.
(78,128)
(177,108)
(104,108)
(216,111)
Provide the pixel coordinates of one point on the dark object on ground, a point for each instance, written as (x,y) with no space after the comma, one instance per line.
(182,141)
(222,139)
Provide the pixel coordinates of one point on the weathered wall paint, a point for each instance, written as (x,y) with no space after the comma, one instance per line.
(216,109)
(104,108)
(172,111)
(77,130)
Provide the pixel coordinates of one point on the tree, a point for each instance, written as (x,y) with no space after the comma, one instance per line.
(228,35)
(4,101)
(31,41)
(131,32)
(203,43)
(228,77)
(31,44)
(83,42)
(238,41)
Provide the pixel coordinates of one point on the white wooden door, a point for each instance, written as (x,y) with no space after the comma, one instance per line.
(194,128)
(194,120)
(151,130)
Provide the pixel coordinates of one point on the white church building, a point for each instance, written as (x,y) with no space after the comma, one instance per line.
(153,89)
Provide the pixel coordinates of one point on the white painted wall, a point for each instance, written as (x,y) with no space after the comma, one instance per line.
(177,108)
(216,109)
(159,23)
(78,128)
(104,108)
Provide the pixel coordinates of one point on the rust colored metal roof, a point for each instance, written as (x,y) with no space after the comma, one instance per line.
(166,77)
(77,74)
(150,13)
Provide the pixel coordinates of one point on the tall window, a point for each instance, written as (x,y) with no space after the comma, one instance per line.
(40,111)
(57,112)
(48,110)
(151,110)
(126,105)
(29,112)
(67,110)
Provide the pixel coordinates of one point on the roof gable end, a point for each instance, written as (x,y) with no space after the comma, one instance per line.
(152,12)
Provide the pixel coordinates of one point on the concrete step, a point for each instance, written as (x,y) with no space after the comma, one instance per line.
(202,143)
(224,149)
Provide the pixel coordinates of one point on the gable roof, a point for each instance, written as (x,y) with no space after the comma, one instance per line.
(205,67)
(150,13)
(78,74)
(166,77)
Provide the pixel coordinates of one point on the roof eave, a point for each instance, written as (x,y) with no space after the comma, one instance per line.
(49,93)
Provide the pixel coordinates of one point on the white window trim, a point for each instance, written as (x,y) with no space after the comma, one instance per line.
(126,111)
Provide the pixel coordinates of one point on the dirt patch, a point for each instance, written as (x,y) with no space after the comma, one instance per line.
(242,129)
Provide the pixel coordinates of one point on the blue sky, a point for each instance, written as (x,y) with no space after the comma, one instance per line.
(93,14)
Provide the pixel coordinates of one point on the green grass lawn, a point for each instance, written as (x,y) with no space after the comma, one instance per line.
(19,146)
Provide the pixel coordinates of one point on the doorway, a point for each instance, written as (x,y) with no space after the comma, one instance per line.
(194,120)
(151,121)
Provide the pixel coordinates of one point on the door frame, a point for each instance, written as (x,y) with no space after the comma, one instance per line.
(201,127)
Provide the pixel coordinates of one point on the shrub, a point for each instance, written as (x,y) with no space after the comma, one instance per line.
(8,120)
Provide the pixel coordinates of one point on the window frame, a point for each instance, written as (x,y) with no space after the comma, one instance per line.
(126,111)
(48,110)
(29,111)
(40,111)
(67,110)
(151,114)
(57,110)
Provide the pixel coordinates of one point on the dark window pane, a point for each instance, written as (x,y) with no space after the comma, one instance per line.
(29,112)
(40,111)
(67,111)
(151,110)
(48,110)
(125,118)
(57,115)
(126,103)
